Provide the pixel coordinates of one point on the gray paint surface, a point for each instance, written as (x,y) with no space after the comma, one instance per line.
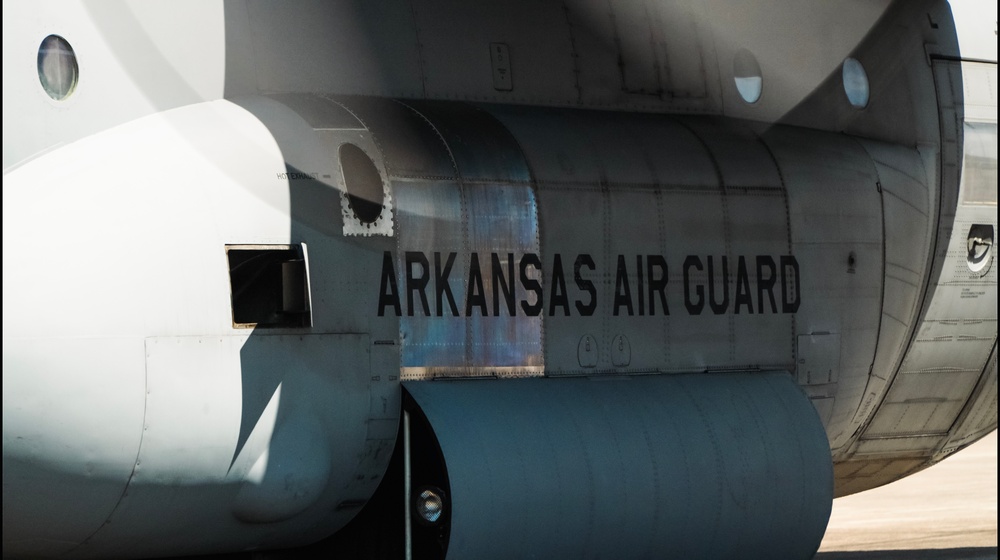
(619,134)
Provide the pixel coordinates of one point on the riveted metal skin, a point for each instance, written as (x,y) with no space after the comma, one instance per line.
(564,481)
(553,196)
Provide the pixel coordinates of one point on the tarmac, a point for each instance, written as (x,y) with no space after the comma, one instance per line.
(946,512)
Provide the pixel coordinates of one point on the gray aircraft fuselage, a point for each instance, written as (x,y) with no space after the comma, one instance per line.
(550,279)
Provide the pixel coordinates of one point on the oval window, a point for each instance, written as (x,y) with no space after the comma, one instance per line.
(363,182)
(855,83)
(746,74)
(57,68)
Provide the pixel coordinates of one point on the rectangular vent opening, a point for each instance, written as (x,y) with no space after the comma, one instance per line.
(269,286)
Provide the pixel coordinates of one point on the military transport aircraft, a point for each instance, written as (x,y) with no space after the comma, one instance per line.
(525,279)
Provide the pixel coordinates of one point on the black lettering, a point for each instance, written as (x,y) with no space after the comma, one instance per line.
(639,292)
(743,296)
(388,293)
(693,308)
(531,285)
(718,308)
(788,304)
(657,285)
(587,309)
(442,286)
(623,293)
(417,283)
(766,285)
(558,297)
(501,284)
(477,295)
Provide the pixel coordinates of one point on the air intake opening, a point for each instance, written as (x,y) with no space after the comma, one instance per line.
(364,184)
(269,286)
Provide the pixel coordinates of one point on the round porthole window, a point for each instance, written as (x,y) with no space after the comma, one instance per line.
(855,83)
(57,68)
(363,182)
(746,74)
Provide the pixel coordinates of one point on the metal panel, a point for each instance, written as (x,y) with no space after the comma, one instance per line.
(661,50)
(430,216)
(751,480)
(980,414)
(856,476)
(603,179)
(910,205)
(685,50)
(741,159)
(757,226)
(979,98)
(619,188)
(316,202)
(482,149)
(898,447)
(410,146)
(503,228)
(944,363)
(835,219)
(343,47)
(636,36)
(824,407)
(700,340)
(53,390)
(318,111)
(484,221)
(556,150)
(295,434)
(951,344)
(819,359)
(566,147)
(500,58)
(455,39)
(569,238)
(948,84)
(911,410)
(634,233)
(666,56)
(931,387)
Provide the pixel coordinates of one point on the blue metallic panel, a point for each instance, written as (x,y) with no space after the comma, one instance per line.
(659,466)
(485,220)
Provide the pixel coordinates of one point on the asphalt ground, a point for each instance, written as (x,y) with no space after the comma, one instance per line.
(946,512)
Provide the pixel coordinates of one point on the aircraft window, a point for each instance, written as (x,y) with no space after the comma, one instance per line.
(363,183)
(57,68)
(855,83)
(746,74)
(269,286)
